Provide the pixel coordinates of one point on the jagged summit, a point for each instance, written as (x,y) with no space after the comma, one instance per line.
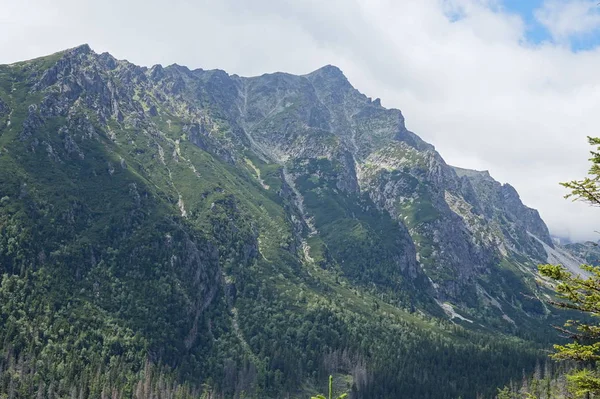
(485,174)
(330,73)
(330,70)
(285,118)
(292,121)
(81,49)
(178,67)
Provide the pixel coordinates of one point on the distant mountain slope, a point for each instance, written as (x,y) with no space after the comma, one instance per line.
(588,251)
(249,236)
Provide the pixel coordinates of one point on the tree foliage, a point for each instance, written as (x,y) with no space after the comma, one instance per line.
(342,396)
(581,292)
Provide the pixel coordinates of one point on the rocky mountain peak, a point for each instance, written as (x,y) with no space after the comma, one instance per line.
(83,49)
(331,145)
(330,71)
(330,78)
(179,68)
(473,174)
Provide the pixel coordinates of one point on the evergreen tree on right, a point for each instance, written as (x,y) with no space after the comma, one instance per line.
(582,293)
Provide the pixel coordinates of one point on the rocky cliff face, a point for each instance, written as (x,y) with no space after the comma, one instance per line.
(346,164)
(456,225)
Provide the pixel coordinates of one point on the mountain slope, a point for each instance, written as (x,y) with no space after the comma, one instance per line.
(251,235)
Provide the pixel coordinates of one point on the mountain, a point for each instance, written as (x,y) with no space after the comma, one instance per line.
(170,230)
(588,251)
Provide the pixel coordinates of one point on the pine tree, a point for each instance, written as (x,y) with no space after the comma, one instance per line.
(581,293)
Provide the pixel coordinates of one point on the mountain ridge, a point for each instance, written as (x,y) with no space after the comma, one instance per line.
(238,200)
(329,94)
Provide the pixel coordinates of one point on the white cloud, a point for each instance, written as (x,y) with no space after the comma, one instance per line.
(566,19)
(469,85)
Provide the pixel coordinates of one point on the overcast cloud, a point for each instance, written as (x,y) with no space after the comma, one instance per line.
(462,71)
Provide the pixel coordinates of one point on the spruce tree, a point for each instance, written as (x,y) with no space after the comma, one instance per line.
(581,293)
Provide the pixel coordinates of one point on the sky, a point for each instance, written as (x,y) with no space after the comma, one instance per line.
(508,86)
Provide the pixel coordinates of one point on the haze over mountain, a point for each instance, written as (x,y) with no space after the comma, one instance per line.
(251,235)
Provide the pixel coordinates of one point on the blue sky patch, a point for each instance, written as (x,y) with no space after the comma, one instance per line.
(536,33)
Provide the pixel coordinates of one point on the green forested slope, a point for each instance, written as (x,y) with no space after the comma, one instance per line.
(149,245)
